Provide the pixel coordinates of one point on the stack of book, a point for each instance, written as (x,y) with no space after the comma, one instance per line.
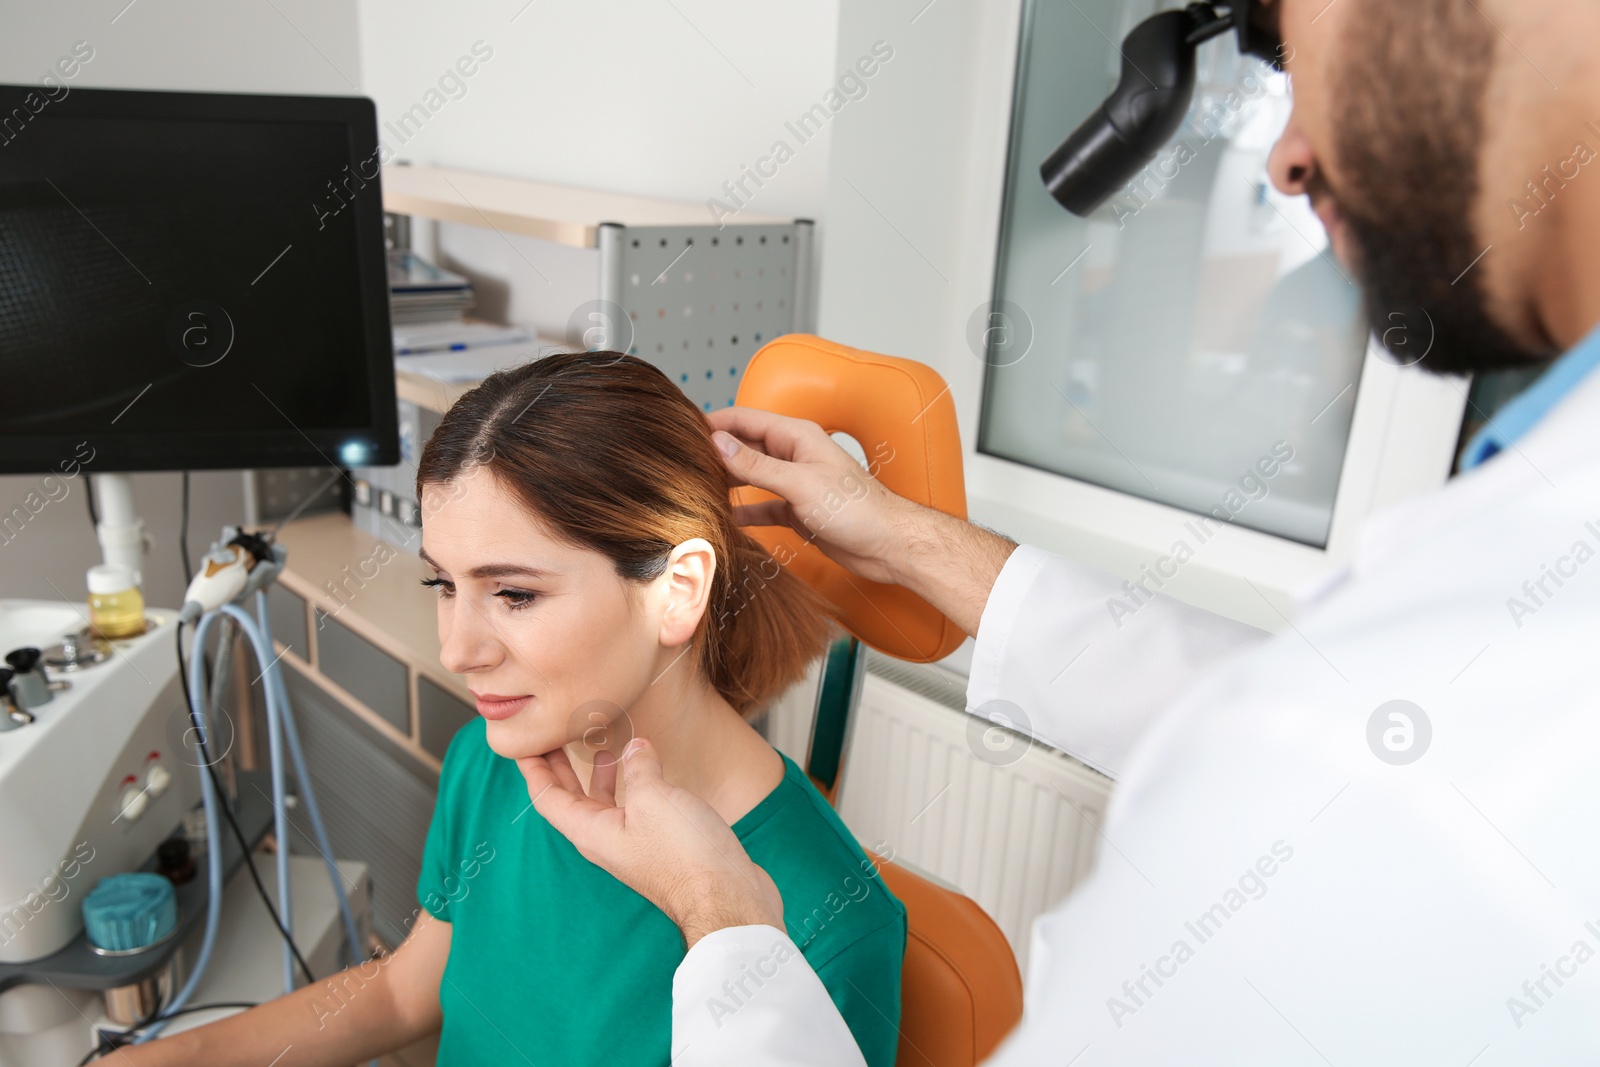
(422,292)
(428,307)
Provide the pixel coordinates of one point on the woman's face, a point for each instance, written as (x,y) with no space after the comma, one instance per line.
(553,643)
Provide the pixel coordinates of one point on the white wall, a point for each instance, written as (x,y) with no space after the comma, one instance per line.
(287,46)
(657,97)
(909,171)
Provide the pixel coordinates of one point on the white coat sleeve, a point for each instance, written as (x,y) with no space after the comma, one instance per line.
(746,997)
(1082,661)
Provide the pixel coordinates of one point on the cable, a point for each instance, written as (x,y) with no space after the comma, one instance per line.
(88,494)
(183,534)
(238,834)
(111,1040)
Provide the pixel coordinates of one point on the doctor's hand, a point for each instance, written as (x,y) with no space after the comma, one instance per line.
(664,842)
(826,497)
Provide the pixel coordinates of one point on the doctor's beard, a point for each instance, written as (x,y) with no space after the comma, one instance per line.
(1413,87)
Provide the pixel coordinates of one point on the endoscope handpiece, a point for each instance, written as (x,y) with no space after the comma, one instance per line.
(223,575)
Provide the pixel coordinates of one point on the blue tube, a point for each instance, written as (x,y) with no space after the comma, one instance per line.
(292,736)
(281,720)
(213,837)
(280,811)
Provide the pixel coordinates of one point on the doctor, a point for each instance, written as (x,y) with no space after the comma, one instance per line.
(1374,838)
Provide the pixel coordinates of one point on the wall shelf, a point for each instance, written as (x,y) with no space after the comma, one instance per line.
(560,213)
(429,393)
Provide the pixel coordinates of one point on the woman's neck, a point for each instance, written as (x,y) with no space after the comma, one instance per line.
(705,745)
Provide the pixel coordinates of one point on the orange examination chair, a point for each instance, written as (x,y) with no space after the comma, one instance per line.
(961,992)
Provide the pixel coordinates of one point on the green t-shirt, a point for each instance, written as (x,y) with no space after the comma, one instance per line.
(555,962)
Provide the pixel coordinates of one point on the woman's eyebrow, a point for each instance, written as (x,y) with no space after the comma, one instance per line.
(491,570)
(506,570)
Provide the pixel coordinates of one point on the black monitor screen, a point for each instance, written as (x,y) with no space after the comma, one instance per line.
(192,281)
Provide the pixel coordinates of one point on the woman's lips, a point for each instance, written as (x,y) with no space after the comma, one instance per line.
(499,707)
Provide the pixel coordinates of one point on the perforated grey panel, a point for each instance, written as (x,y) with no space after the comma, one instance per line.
(702,300)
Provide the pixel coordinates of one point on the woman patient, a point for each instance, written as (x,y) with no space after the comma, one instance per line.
(593,587)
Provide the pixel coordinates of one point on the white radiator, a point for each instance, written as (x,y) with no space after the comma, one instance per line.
(1014,830)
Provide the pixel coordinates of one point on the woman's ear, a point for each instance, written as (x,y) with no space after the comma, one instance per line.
(691,566)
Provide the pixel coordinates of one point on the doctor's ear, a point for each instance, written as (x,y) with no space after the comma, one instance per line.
(686,591)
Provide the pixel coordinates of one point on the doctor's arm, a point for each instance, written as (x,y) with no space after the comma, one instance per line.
(361,1012)
(1066,652)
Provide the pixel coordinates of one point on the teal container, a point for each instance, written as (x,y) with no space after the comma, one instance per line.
(129,912)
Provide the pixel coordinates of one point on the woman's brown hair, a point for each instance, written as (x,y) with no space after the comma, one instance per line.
(608,453)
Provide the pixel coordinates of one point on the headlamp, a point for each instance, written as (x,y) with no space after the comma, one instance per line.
(1151,98)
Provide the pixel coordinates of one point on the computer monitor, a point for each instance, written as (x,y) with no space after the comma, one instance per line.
(191,280)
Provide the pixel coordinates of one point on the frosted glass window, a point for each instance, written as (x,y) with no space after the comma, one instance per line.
(1194,342)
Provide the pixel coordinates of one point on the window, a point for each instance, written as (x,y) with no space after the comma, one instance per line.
(1196,333)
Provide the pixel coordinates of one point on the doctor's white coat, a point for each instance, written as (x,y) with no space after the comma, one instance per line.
(1290,873)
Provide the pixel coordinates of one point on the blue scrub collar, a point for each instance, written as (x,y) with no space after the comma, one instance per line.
(1514,420)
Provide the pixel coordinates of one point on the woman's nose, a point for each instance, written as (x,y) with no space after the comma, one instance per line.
(1293,162)
(466,640)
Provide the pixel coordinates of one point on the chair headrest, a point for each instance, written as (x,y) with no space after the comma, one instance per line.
(901,413)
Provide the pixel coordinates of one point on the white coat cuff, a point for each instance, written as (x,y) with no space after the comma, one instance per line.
(1000,615)
(746,996)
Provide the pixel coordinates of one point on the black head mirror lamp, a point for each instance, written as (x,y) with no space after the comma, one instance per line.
(1151,98)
